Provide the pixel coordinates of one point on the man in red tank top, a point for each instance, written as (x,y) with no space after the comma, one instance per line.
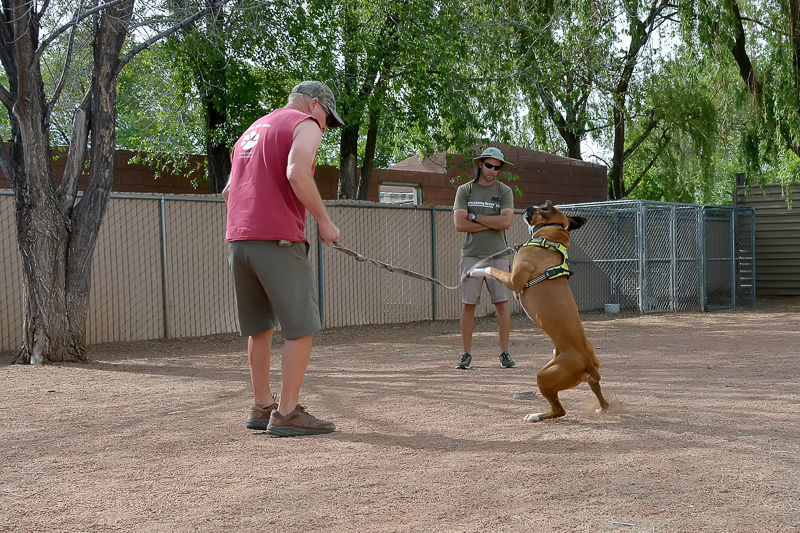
(270,188)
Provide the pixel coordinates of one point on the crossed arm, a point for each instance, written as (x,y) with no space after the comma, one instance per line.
(502,221)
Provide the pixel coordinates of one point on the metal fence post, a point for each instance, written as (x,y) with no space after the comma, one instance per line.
(701,228)
(616,245)
(164,266)
(320,281)
(434,292)
(734,255)
(752,219)
(641,225)
(673,256)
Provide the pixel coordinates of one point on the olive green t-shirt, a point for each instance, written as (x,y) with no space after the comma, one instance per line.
(481,200)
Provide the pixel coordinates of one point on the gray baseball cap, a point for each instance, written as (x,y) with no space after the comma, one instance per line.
(323,93)
(494,153)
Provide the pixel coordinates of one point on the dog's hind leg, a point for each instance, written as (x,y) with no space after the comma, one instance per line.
(550,380)
(595,386)
(556,409)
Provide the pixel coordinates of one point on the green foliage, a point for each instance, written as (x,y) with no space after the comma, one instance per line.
(679,159)
(442,76)
(558,52)
(162,91)
(769,137)
(155,113)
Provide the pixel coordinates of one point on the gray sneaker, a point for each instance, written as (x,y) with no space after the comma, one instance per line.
(297,423)
(259,416)
(465,362)
(506,361)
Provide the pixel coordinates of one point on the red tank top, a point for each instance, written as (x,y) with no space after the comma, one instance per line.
(261,203)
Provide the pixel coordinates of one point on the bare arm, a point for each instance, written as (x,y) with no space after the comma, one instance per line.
(502,221)
(226,191)
(299,172)
(463,223)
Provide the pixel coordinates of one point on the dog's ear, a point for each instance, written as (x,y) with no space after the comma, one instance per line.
(529,214)
(576,222)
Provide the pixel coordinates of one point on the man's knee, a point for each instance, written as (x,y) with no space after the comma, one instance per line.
(262,335)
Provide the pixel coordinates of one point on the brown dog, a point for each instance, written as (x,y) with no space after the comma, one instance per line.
(549,303)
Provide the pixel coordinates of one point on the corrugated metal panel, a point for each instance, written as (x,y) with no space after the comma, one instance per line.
(777,239)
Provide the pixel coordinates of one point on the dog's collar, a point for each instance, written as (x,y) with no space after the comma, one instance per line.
(537,228)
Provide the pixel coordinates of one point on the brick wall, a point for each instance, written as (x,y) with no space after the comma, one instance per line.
(541,177)
(136,178)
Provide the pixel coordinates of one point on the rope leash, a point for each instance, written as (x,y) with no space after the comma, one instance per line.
(410,273)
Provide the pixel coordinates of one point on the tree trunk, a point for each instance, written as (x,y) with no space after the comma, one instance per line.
(739,52)
(348,161)
(57,240)
(42,234)
(209,75)
(616,185)
(369,156)
(42,231)
(573,145)
(217,153)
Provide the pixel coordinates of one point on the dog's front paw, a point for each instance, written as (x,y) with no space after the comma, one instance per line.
(532,417)
(480,272)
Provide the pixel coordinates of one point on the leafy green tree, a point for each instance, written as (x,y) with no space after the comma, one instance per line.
(211,86)
(400,70)
(762,39)
(558,50)
(56,231)
(679,152)
(154,113)
(641,23)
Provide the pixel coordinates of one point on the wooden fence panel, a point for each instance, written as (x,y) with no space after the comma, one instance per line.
(777,246)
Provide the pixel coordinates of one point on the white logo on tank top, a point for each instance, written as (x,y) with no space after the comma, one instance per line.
(249,140)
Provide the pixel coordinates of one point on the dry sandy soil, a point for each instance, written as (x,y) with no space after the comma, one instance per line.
(703,434)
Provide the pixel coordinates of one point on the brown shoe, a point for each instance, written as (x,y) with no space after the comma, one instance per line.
(297,423)
(259,416)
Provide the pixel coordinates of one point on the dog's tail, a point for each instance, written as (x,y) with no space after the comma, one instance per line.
(592,371)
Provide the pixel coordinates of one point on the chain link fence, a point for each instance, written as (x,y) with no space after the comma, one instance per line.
(11,306)
(653,257)
(160,265)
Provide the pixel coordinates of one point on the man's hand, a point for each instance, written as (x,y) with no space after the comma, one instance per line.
(328,232)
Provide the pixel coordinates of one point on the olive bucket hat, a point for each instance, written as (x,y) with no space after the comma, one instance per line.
(494,153)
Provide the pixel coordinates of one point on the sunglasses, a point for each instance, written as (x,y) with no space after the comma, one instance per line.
(491,166)
(329,120)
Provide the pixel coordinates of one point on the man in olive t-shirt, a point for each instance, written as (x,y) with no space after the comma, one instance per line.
(484,209)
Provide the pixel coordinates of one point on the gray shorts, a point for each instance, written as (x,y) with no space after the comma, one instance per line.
(274,284)
(471,289)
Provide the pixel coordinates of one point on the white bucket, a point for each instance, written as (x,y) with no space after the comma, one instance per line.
(611,309)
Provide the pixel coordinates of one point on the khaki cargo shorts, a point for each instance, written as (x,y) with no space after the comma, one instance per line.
(274,284)
(471,289)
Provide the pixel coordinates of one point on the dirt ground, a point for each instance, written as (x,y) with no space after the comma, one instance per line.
(703,434)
